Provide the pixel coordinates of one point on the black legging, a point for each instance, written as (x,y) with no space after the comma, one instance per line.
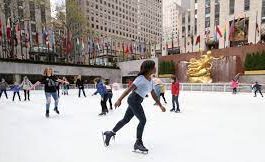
(15,95)
(135,109)
(1,91)
(163,96)
(26,93)
(79,93)
(234,90)
(110,95)
(258,90)
(103,103)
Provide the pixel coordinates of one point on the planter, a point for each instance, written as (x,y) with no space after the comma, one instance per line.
(255,72)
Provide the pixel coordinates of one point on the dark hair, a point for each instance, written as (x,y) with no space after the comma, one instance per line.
(146,67)
(107,82)
(97,80)
(173,77)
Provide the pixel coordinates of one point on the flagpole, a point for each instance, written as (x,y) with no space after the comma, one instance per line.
(256,27)
(225,35)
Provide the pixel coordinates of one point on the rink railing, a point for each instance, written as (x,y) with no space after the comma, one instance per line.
(213,87)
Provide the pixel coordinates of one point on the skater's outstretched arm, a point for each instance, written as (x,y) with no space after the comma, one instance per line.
(124,94)
(154,96)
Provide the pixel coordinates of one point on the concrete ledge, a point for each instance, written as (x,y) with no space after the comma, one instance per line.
(255,72)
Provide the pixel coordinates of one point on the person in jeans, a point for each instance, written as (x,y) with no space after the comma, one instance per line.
(175,94)
(80,85)
(26,86)
(3,87)
(101,89)
(141,86)
(50,81)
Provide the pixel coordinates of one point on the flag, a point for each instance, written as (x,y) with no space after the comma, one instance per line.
(218,31)
(232,30)
(18,33)
(127,49)
(225,33)
(27,37)
(257,28)
(82,43)
(1,34)
(198,39)
(8,30)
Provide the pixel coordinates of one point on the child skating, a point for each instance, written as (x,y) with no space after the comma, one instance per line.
(3,87)
(257,88)
(175,94)
(26,86)
(16,88)
(101,89)
(141,86)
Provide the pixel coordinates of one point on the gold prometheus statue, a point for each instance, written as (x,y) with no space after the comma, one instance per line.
(199,70)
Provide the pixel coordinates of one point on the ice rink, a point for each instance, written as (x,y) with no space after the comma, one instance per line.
(213,127)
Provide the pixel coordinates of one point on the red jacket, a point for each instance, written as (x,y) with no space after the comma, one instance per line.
(175,88)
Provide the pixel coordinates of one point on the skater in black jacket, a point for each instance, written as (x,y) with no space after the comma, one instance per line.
(257,88)
(141,86)
(80,85)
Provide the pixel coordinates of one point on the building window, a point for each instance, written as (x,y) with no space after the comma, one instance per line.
(263,11)
(207,7)
(32,11)
(33,27)
(231,7)
(217,12)
(247,5)
(43,14)
(207,22)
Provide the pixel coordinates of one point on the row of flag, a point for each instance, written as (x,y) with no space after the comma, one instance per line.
(24,36)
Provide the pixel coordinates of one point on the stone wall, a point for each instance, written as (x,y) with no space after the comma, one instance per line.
(131,68)
(37,69)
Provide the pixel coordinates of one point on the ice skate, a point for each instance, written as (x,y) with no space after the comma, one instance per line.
(107,137)
(139,147)
(47,114)
(56,110)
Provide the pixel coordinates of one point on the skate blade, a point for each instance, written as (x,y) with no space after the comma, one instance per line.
(140,152)
(103,138)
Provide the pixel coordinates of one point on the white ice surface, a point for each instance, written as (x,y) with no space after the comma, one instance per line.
(213,127)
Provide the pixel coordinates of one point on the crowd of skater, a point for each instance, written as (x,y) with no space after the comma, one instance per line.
(145,83)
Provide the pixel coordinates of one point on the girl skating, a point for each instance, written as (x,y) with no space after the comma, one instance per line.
(49,81)
(26,86)
(80,85)
(3,87)
(142,85)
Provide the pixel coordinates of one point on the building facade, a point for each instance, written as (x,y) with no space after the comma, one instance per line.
(239,22)
(125,24)
(26,20)
(176,22)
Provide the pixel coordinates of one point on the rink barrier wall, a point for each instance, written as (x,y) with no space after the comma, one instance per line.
(213,87)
